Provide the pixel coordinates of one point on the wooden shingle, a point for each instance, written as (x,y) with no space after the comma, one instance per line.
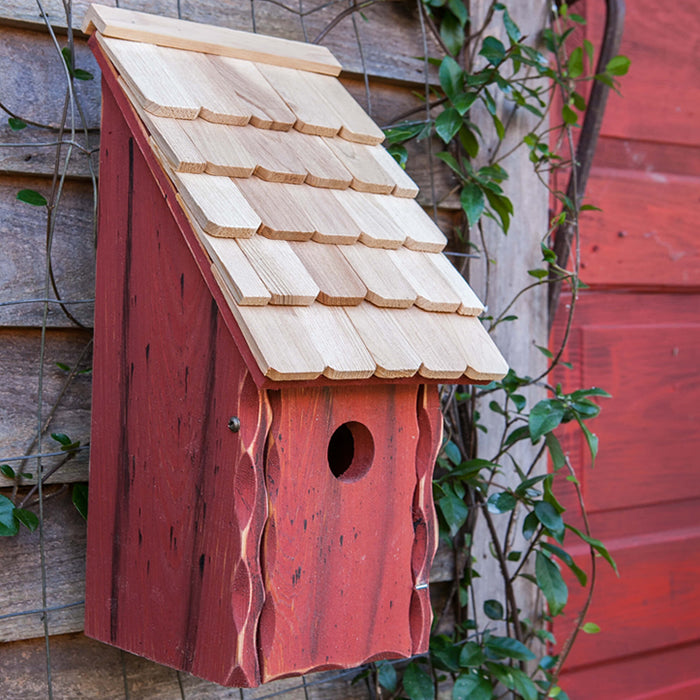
(332,253)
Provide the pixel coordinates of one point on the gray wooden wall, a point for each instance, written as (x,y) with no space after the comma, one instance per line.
(32,85)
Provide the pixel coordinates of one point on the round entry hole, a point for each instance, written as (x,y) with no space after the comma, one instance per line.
(350,451)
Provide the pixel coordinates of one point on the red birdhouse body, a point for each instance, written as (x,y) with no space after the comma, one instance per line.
(252,514)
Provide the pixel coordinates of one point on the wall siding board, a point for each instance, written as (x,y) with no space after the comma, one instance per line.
(387,55)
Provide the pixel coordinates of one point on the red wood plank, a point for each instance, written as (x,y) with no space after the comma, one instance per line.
(177,504)
(337,554)
(661,94)
(671,674)
(646,234)
(652,605)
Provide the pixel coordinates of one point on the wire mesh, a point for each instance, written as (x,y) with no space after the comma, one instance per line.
(67,146)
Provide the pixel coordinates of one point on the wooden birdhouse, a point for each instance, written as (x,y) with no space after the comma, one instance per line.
(273,315)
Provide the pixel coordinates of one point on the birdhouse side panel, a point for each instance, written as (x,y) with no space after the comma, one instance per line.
(339,543)
(177,500)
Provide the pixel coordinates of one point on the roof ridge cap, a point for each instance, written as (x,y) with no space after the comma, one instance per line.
(131,25)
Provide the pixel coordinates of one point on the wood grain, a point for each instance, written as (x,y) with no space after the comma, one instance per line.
(330,332)
(367,175)
(224,150)
(217,205)
(267,110)
(275,160)
(389,56)
(278,342)
(65,536)
(433,293)
(377,228)
(276,264)
(338,283)
(283,215)
(313,114)
(384,338)
(140,27)
(323,521)
(171,345)
(421,232)
(23,231)
(20,365)
(150,78)
(385,282)
(357,125)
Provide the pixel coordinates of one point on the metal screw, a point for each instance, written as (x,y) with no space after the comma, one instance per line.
(234,424)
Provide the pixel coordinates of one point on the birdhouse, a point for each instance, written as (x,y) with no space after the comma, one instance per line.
(273,316)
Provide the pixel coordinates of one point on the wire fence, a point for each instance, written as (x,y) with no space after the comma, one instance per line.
(68,146)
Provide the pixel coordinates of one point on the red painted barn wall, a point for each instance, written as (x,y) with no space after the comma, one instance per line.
(637,334)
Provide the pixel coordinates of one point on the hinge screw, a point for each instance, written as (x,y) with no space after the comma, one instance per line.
(234,424)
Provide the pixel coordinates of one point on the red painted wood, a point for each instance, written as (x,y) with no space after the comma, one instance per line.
(652,605)
(671,674)
(646,234)
(661,95)
(177,503)
(337,555)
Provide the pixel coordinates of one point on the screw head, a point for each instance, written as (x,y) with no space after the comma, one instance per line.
(234,424)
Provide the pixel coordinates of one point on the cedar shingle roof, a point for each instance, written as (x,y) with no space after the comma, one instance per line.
(328,263)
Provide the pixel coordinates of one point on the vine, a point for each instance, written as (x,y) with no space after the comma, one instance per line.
(495,651)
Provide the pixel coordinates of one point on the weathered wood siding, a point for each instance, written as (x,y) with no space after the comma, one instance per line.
(32,85)
(637,334)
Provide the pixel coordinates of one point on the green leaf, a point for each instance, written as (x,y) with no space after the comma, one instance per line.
(403,132)
(597,545)
(448,124)
(7,471)
(444,653)
(588,48)
(500,129)
(493,50)
(79,496)
(472,655)
(501,502)
(61,438)
(493,609)
(454,510)
(567,559)
(451,451)
(16,124)
(386,675)
(465,101)
(591,440)
(452,33)
(523,684)
(504,647)
(27,518)
(530,525)
(32,197)
(451,77)
(459,10)
(619,65)
(9,525)
(518,434)
(568,116)
(591,628)
(556,452)
(471,687)
(399,153)
(417,682)
(544,417)
(469,141)
(472,199)
(81,74)
(547,514)
(539,274)
(575,63)
(512,30)
(551,583)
